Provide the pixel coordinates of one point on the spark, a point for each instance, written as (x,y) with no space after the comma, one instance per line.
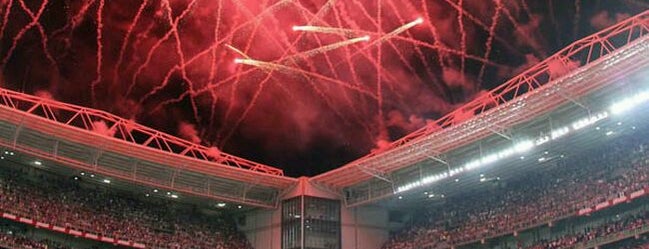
(236,50)
(328,30)
(287,69)
(330,47)
(401,29)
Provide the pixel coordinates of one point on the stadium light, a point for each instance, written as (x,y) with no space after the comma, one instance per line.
(527,145)
(630,103)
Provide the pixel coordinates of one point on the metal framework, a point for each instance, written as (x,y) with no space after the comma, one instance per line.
(553,82)
(100,142)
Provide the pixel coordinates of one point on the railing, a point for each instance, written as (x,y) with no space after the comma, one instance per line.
(106,124)
(613,238)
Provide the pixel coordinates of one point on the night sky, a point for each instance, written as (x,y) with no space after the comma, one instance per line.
(305,101)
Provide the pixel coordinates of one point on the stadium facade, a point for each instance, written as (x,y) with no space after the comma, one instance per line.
(552,103)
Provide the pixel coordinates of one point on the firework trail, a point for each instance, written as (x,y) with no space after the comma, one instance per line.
(575,21)
(291,70)
(33,23)
(328,30)
(173,70)
(5,18)
(388,36)
(492,32)
(127,36)
(100,26)
(155,47)
(502,41)
(214,41)
(181,54)
(428,67)
(526,8)
(74,21)
(291,48)
(532,43)
(436,37)
(41,32)
(326,48)
(379,85)
(555,24)
(358,117)
(460,21)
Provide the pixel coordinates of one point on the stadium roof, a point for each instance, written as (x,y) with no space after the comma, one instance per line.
(561,78)
(93,140)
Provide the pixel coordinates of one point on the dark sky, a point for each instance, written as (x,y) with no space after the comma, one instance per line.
(305,102)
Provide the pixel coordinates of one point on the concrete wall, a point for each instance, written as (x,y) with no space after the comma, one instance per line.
(263,228)
(364,227)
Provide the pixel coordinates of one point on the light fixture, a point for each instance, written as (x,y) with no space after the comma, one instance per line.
(630,102)
(155,191)
(175,196)
(221,204)
(38,163)
(106,181)
(527,145)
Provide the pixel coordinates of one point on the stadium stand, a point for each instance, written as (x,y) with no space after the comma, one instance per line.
(51,199)
(575,185)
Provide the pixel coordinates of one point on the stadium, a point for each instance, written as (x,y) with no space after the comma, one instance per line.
(153,124)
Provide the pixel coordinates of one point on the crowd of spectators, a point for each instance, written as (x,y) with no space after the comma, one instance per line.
(157,223)
(13,237)
(590,233)
(540,196)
